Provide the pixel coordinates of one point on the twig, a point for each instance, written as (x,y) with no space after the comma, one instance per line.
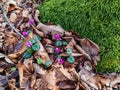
(10,24)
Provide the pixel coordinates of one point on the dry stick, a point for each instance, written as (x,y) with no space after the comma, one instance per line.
(73,54)
(20,69)
(10,24)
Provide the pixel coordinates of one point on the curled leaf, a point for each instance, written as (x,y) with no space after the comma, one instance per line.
(91,49)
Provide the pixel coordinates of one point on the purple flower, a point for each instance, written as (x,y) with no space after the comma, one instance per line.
(28,44)
(31,21)
(57,50)
(60,61)
(24,33)
(57,36)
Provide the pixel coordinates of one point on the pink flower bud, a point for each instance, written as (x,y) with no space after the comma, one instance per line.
(28,44)
(60,61)
(57,36)
(57,50)
(31,21)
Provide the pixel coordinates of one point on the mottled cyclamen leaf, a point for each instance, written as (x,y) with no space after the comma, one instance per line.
(36,47)
(27,55)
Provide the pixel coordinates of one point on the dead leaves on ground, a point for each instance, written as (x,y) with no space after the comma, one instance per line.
(29,75)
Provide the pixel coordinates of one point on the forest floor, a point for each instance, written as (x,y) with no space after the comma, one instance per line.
(37,56)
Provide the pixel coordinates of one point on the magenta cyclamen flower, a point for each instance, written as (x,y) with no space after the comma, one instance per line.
(57,50)
(24,33)
(31,21)
(57,36)
(28,44)
(60,61)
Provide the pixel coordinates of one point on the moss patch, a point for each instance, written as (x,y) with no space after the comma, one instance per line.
(98,20)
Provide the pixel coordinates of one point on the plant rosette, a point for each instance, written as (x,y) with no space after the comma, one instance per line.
(39,61)
(47,63)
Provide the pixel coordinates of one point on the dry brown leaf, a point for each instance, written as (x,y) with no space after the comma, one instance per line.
(10,40)
(6,58)
(1,69)
(41,84)
(39,70)
(13,17)
(91,49)
(47,41)
(24,76)
(23,49)
(50,49)
(11,5)
(4,24)
(25,13)
(36,16)
(17,54)
(33,81)
(38,32)
(51,80)
(82,51)
(53,29)
(73,54)
(42,53)
(88,66)
(11,84)
(20,69)
(29,64)
(58,77)
(66,78)
(71,42)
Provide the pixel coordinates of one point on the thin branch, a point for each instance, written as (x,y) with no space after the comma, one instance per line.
(10,24)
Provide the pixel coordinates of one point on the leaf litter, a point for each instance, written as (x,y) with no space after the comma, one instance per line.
(37,56)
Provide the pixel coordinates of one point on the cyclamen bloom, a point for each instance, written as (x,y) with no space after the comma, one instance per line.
(57,36)
(24,33)
(60,61)
(57,50)
(28,44)
(31,21)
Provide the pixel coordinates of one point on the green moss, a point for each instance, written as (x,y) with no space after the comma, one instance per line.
(98,20)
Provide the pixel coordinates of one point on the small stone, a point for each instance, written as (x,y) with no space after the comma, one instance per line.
(58,43)
(39,61)
(71,59)
(47,64)
(69,51)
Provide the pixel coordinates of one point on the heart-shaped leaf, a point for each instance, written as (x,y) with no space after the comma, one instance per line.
(36,47)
